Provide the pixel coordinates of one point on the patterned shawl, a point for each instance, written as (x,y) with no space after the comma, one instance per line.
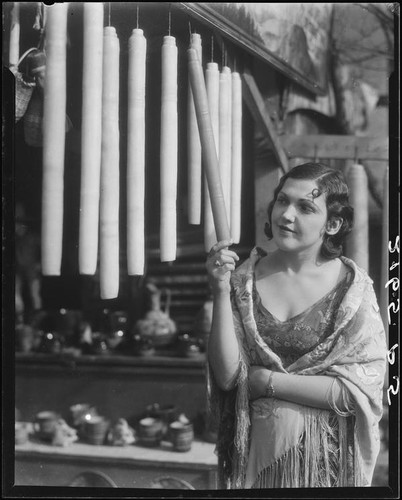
(355,353)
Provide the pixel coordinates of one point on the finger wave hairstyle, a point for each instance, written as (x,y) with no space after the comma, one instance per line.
(332,183)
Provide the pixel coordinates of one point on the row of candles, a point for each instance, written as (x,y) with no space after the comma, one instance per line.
(99,197)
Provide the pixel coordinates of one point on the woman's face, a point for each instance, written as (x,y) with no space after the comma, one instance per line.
(298,219)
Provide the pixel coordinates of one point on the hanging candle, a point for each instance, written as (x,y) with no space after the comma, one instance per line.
(236,157)
(168,151)
(54,116)
(91,136)
(212,87)
(208,146)
(384,247)
(14,49)
(109,178)
(137,47)
(194,148)
(358,242)
(225,133)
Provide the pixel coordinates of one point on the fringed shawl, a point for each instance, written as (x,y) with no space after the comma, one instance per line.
(354,352)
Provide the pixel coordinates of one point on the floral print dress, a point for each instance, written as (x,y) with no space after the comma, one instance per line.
(272,443)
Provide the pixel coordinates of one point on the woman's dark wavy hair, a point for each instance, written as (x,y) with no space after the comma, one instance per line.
(331,183)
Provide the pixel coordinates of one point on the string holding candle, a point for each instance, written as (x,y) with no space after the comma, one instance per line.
(136,152)
(168,149)
(110,174)
(208,146)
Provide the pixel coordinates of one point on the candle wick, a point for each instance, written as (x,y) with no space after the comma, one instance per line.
(109,13)
(212,48)
(137,15)
(189,28)
(170,20)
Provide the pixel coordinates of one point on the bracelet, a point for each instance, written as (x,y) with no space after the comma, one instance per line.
(270,391)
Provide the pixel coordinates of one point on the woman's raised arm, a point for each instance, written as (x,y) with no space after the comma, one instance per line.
(223,347)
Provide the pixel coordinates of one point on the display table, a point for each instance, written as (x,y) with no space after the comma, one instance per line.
(131,466)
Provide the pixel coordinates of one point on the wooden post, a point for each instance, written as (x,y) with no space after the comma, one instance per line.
(257,108)
(14,49)
(358,241)
(384,252)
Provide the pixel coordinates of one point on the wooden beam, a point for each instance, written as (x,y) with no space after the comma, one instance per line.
(258,110)
(336,146)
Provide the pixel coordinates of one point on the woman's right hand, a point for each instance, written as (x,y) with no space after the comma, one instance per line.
(220,263)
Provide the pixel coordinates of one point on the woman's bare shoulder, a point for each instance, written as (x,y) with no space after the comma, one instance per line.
(266,265)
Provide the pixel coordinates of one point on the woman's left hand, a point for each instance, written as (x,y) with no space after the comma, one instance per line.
(257,381)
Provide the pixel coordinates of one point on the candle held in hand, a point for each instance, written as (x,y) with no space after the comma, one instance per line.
(212,87)
(208,146)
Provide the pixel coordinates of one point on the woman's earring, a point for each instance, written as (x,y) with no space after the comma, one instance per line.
(267,229)
(333,226)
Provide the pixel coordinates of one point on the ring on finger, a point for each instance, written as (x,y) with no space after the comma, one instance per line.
(217,263)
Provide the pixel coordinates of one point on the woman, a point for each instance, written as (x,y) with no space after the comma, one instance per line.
(297,347)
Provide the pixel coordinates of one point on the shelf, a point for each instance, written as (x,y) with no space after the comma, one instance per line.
(150,364)
(201,454)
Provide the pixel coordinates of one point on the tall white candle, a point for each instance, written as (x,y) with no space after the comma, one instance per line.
(54,116)
(236,157)
(110,173)
(212,86)
(137,47)
(168,151)
(225,133)
(194,148)
(358,240)
(91,131)
(14,49)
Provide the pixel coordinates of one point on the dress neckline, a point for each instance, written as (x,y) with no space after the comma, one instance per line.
(306,311)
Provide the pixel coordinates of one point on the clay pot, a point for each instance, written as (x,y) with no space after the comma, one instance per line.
(45,425)
(150,431)
(182,435)
(96,429)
